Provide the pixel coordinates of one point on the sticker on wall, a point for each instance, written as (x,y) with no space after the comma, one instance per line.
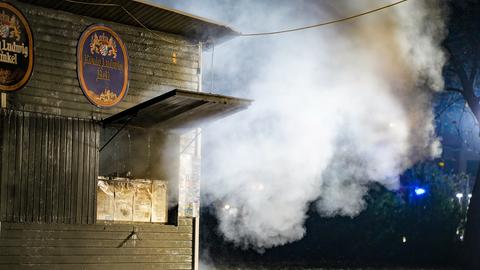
(16,48)
(102,66)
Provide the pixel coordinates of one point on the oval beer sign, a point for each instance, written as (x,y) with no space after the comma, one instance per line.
(102,66)
(16,49)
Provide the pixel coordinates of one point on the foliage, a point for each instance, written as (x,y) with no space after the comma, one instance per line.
(375,237)
(463,44)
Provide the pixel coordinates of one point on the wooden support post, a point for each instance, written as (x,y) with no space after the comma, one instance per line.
(196,220)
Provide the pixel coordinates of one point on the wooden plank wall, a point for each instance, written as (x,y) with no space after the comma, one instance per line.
(54,86)
(96,246)
(49,168)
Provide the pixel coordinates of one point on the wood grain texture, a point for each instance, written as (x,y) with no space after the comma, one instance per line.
(54,86)
(96,246)
(49,168)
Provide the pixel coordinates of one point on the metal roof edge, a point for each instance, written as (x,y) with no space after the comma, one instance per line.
(196,17)
(217,40)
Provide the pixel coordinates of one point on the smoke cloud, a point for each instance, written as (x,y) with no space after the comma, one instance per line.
(336,109)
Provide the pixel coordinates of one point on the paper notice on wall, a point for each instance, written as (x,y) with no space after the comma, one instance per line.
(142,203)
(105,200)
(159,201)
(137,200)
(124,193)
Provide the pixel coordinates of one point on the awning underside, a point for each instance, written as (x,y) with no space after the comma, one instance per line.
(152,15)
(178,110)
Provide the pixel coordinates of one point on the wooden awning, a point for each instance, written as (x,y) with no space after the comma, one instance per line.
(178,110)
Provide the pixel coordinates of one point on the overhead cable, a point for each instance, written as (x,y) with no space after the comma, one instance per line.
(245,34)
(323,23)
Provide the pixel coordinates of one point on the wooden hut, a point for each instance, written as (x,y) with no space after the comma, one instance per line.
(101,105)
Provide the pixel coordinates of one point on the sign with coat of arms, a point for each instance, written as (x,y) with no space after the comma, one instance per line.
(102,66)
(16,48)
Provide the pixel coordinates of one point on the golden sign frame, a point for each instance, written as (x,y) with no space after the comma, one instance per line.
(28,30)
(86,91)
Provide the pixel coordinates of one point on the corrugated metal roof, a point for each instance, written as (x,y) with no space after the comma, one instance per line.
(152,15)
(178,110)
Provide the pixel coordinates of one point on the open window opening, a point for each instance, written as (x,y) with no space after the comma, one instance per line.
(137,176)
(145,174)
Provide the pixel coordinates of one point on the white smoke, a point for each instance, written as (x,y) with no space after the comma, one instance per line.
(335,110)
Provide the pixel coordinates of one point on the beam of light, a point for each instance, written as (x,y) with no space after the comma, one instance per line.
(259,187)
(420,191)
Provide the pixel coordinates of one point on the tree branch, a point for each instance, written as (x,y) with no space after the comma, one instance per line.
(446,107)
(474,70)
(468,91)
(462,75)
(453,89)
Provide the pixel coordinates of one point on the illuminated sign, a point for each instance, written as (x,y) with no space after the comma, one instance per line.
(16,49)
(102,66)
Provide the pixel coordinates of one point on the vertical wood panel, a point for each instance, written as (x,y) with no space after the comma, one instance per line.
(84,174)
(2,161)
(48,195)
(31,171)
(60,172)
(4,148)
(48,168)
(43,170)
(86,171)
(74,174)
(81,140)
(23,189)
(56,165)
(37,170)
(18,168)
(11,165)
(24,175)
(96,172)
(68,171)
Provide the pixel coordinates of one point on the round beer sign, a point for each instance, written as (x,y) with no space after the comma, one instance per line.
(102,66)
(16,48)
